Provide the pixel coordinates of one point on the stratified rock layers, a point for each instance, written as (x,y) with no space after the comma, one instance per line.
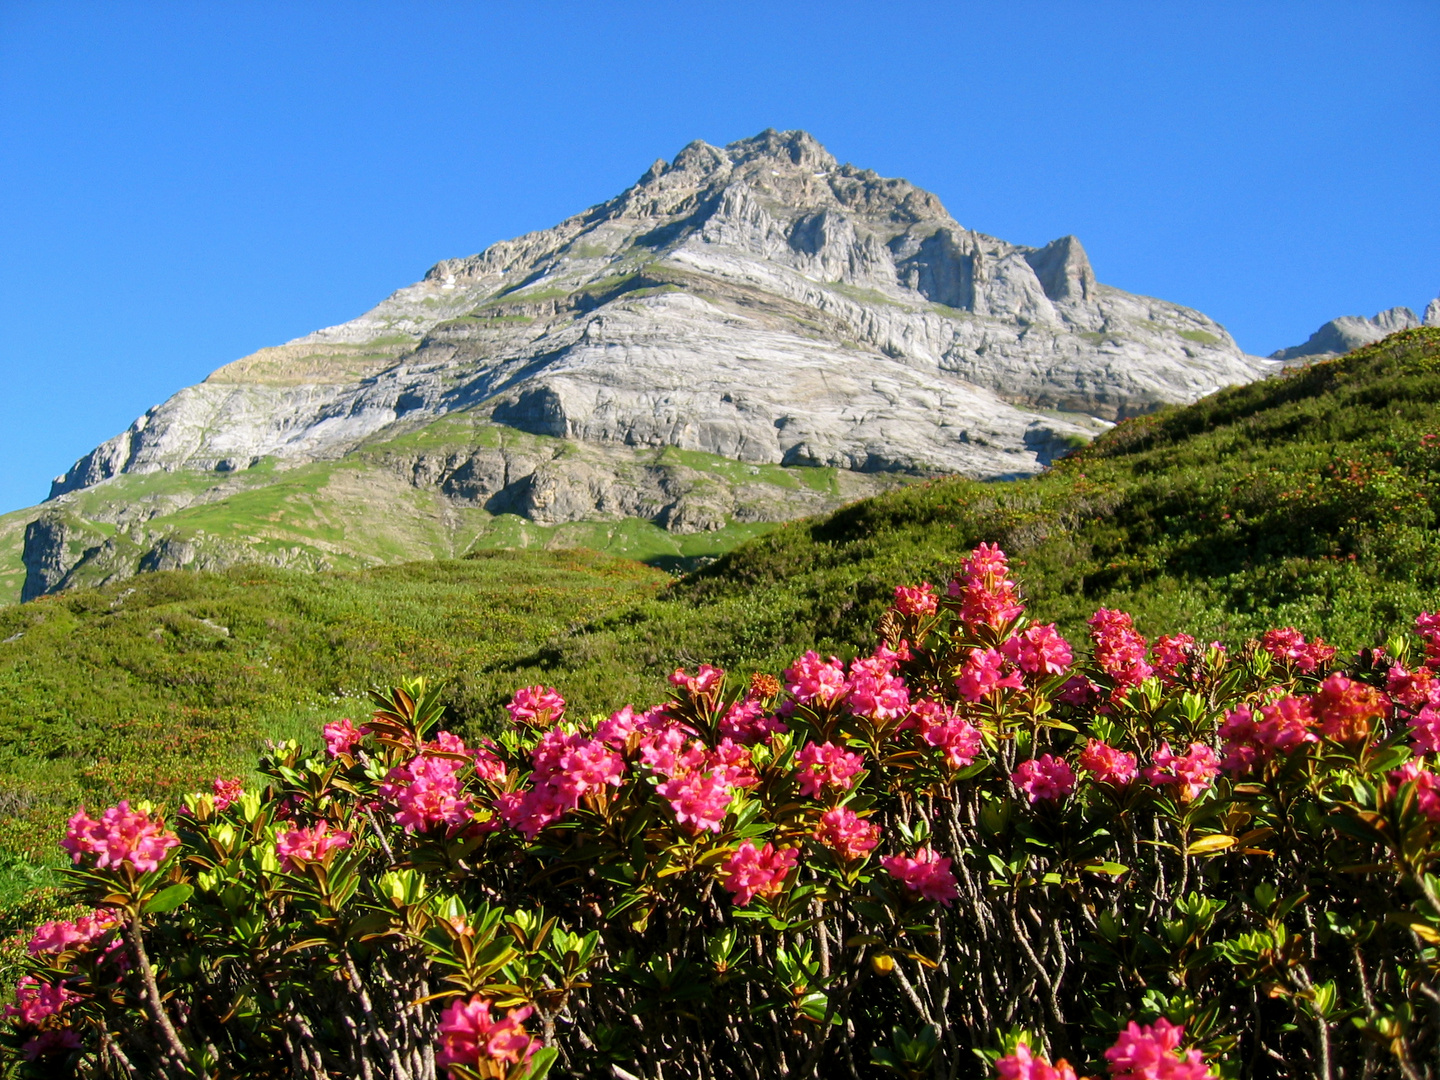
(759,302)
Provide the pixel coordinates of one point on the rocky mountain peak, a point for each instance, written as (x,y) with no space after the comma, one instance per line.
(1349,332)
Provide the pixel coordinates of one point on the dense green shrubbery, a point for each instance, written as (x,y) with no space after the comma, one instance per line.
(960,847)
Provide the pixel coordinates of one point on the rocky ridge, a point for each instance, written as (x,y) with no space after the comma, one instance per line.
(1349,332)
(758,303)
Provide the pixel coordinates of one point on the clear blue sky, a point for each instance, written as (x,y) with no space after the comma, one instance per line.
(183,183)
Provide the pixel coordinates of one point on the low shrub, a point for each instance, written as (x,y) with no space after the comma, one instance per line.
(965,853)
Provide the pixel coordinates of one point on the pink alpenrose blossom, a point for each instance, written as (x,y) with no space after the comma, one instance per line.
(300,846)
(825,765)
(1152,1052)
(1190,772)
(341,736)
(1107,765)
(470,1036)
(924,874)
(916,601)
(749,872)
(700,800)
(121,835)
(847,834)
(1046,777)
(1022,1065)
(537,706)
(1039,650)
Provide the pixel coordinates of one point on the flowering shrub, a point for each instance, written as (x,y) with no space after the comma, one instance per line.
(966,853)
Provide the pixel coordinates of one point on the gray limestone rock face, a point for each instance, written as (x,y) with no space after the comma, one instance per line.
(759,301)
(1432,312)
(1349,332)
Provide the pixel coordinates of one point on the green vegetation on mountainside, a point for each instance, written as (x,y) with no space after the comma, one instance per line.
(1308,500)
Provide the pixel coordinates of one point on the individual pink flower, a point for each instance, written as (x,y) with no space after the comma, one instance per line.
(1425,730)
(702,683)
(56,937)
(470,1036)
(488,765)
(226,792)
(341,736)
(1191,772)
(1107,765)
(427,792)
(917,601)
(1119,650)
(537,706)
(981,676)
(847,834)
(925,874)
(1046,777)
(531,810)
(749,873)
(121,835)
(822,765)
(747,722)
(300,846)
(36,1001)
(587,766)
(1152,1052)
(700,800)
(986,594)
(1345,709)
(732,761)
(1169,652)
(812,681)
(1080,692)
(1427,787)
(1288,646)
(1039,650)
(1022,1065)
(661,747)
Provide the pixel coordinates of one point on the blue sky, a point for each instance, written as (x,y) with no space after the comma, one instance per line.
(181,184)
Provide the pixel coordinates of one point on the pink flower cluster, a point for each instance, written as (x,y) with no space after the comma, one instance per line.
(341,737)
(121,835)
(1288,646)
(924,874)
(1119,650)
(706,681)
(983,587)
(1427,625)
(427,791)
(1420,693)
(747,722)
(1344,708)
(470,1036)
(1427,787)
(567,767)
(875,690)
(1107,765)
(35,1001)
(1023,1065)
(749,872)
(1190,772)
(1282,727)
(847,834)
(1152,1052)
(1142,1052)
(816,682)
(1046,777)
(980,675)
(825,765)
(57,937)
(537,706)
(939,727)
(700,799)
(916,601)
(1169,652)
(299,846)
(226,793)
(1039,650)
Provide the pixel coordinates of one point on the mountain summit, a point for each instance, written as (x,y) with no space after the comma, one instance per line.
(757,304)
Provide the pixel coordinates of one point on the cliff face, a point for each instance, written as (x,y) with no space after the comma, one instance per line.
(759,303)
(1349,332)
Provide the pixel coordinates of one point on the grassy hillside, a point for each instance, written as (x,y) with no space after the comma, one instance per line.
(1309,500)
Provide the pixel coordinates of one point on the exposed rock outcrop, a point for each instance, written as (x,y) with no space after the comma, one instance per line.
(760,302)
(1339,336)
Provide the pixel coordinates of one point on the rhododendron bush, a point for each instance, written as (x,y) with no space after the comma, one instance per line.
(979,850)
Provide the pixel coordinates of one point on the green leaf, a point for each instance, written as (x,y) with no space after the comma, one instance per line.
(169,899)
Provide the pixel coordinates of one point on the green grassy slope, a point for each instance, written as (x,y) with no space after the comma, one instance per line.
(1308,500)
